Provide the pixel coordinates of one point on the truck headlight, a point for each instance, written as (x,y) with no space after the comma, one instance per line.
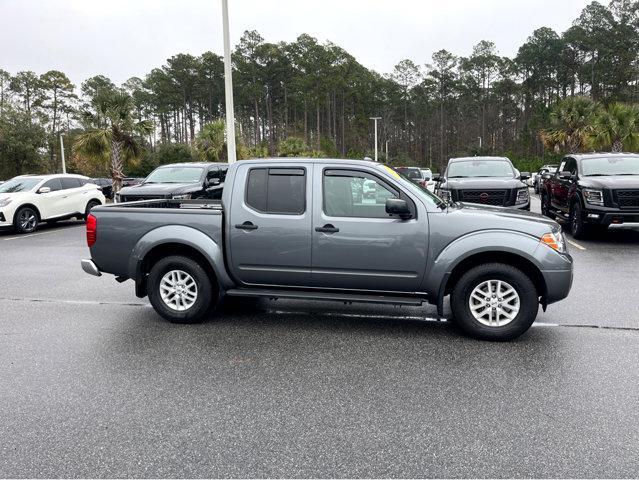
(522,196)
(555,240)
(186,196)
(444,195)
(4,202)
(593,196)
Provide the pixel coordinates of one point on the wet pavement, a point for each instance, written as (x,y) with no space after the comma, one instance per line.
(95,384)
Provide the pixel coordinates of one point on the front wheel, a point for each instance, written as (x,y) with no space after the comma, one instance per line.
(26,220)
(180,290)
(494,301)
(578,227)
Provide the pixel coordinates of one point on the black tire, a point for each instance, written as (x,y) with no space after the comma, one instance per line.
(206,297)
(536,188)
(528,302)
(90,205)
(26,220)
(578,227)
(545,207)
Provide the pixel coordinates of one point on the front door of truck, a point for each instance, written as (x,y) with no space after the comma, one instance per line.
(356,244)
(269,228)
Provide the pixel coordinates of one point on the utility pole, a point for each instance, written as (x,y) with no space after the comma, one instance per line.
(228,86)
(375,119)
(386,151)
(479,142)
(64,165)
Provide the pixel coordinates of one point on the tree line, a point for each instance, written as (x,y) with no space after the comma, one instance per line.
(311,98)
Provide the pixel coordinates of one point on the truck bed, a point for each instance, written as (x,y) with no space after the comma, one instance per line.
(122,226)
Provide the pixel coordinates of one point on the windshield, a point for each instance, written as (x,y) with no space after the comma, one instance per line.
(175,175)
(480,168)
(609,166)
(415,188)
(22,184)
(410,173)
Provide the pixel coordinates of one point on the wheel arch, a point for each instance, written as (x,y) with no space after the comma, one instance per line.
(30,205)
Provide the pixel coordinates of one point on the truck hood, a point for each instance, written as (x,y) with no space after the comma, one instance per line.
(477,183)
(611,181)
(160,189)
(473,217)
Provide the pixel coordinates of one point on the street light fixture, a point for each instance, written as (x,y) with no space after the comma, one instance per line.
(375,119)
(228,86)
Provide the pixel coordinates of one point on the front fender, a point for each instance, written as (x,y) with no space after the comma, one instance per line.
(183,235)
(484,241)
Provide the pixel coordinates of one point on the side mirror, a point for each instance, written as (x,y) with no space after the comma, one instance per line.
(212,182)
(44,190)
(524,175)
(427,179)
(565,175)
(397,206)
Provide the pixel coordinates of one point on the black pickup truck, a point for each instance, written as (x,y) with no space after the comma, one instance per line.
(593,190)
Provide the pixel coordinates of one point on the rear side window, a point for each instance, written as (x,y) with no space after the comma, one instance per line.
(69,182)
(277,190)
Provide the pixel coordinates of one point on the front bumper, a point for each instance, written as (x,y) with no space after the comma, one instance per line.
(605,216)
(4,220)
(89,267)
(558,284)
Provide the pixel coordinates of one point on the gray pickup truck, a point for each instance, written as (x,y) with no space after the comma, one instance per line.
(303,228)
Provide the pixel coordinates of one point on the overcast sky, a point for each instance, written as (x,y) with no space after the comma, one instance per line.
(125,38)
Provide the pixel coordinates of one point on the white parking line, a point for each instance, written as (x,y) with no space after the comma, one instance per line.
(576,245)
(41,233)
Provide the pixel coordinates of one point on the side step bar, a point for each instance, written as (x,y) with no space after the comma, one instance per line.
(320,295)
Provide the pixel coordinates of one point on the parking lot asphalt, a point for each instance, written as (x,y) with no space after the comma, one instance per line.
(95,384)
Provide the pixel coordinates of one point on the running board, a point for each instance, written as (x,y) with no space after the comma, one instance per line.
(320,295)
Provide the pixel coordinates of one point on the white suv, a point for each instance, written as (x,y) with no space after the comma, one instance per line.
(27,200)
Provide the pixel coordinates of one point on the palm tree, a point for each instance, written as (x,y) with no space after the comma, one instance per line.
(210,142)
(617,126)
(571,122)
(112,132)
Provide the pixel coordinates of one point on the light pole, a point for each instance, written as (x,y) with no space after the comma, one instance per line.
(479,142)
(375,119)
(228,86)
(64,164)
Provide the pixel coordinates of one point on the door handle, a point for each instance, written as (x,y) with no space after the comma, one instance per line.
(246,226)
(328,228)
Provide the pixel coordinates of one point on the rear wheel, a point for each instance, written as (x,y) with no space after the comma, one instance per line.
(180,290)
(545,207)
(494,301)
(26,220)
(90,205)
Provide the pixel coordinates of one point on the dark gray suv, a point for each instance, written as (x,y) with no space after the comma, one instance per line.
(484,180)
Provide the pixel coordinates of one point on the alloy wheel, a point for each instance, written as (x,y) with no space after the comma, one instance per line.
(178,290)
(494,303)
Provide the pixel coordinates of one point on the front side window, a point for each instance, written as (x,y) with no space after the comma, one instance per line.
(277,190)
(353,194)
(54,184)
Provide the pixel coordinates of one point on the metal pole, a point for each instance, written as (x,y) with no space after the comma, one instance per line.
(479,142)
(228,86)
(375,119)
(386,151)
(64,165)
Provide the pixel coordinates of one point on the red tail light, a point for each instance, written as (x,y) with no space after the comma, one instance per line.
(92,230)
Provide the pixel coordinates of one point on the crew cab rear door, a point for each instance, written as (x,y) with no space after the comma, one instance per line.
(356,244)
(269,228)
